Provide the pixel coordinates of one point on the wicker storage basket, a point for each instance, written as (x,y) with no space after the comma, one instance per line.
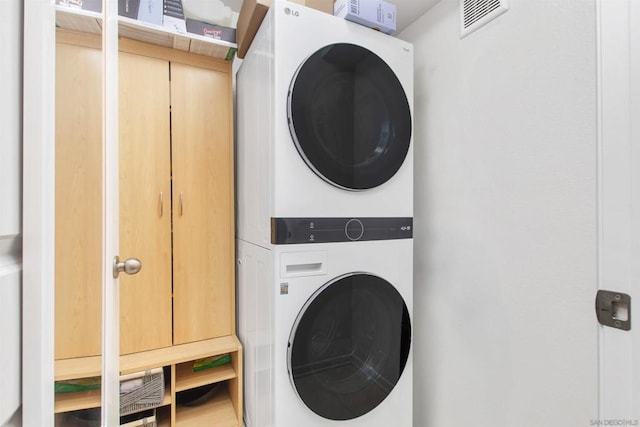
(141,390)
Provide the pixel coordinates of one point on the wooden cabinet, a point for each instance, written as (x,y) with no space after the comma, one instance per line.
(202,203)
(175,169)
(78,222)
(145,196)
(176,215)
(176,201)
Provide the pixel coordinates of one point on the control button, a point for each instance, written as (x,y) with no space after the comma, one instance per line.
(354,229)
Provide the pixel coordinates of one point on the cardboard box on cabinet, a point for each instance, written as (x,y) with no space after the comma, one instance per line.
(321,5)
(253,11)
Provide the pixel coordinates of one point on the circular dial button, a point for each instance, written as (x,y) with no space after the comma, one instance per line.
(354,229)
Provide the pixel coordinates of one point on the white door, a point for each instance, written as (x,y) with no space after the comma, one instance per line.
(619,209)
(38,221)
(112,263)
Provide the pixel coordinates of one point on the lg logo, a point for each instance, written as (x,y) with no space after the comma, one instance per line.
(288,11)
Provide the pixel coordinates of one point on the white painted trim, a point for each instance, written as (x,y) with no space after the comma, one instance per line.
(600,239)
(38,212)
(634,120)
(110,291)
(10,264)
(614,197)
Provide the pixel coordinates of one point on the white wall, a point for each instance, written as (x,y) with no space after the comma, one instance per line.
(505,216)
(10,212)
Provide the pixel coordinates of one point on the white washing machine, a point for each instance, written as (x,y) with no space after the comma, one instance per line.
(324,122)
(326,330)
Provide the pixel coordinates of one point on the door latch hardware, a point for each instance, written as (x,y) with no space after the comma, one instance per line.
(614,309)
(129,266)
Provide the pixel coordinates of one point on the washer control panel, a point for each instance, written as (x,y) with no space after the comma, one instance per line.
(324,230)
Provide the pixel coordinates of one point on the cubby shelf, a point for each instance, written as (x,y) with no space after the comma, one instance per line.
(186,378)
(163,416)
(225,409)
(83,367)
(91,22)
(198,416)
(66,402)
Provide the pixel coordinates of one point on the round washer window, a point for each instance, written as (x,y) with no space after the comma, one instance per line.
(349,346)
(349,117)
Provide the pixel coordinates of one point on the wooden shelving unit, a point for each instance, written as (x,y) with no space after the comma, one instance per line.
(224,409)
(91,22)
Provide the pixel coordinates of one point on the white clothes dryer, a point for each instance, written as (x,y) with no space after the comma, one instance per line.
(327,333)
(324,122)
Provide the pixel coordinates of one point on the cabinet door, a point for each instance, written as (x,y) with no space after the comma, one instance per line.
(145,202)
(78,206)
(203,203)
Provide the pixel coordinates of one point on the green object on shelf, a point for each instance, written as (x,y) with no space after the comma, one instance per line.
(211,362)
(230,53)
(81,384)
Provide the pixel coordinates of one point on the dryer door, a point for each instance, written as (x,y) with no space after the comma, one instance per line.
(349,117)
(349,346)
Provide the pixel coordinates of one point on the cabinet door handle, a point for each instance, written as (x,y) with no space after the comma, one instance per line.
(161,204)
(181,204)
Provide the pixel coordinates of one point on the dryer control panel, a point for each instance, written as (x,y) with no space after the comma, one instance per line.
(325,230)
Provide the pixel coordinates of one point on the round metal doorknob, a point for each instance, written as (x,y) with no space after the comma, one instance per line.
(129,266)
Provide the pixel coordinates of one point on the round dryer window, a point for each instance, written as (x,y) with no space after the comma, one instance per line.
(349,117)
(349,346)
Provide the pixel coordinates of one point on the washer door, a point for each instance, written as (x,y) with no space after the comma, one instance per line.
(349,346)
(349,117)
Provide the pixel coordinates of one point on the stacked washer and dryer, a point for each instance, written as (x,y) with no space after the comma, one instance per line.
(325,223)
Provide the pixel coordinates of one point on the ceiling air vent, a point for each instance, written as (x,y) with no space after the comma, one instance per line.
(476,13)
